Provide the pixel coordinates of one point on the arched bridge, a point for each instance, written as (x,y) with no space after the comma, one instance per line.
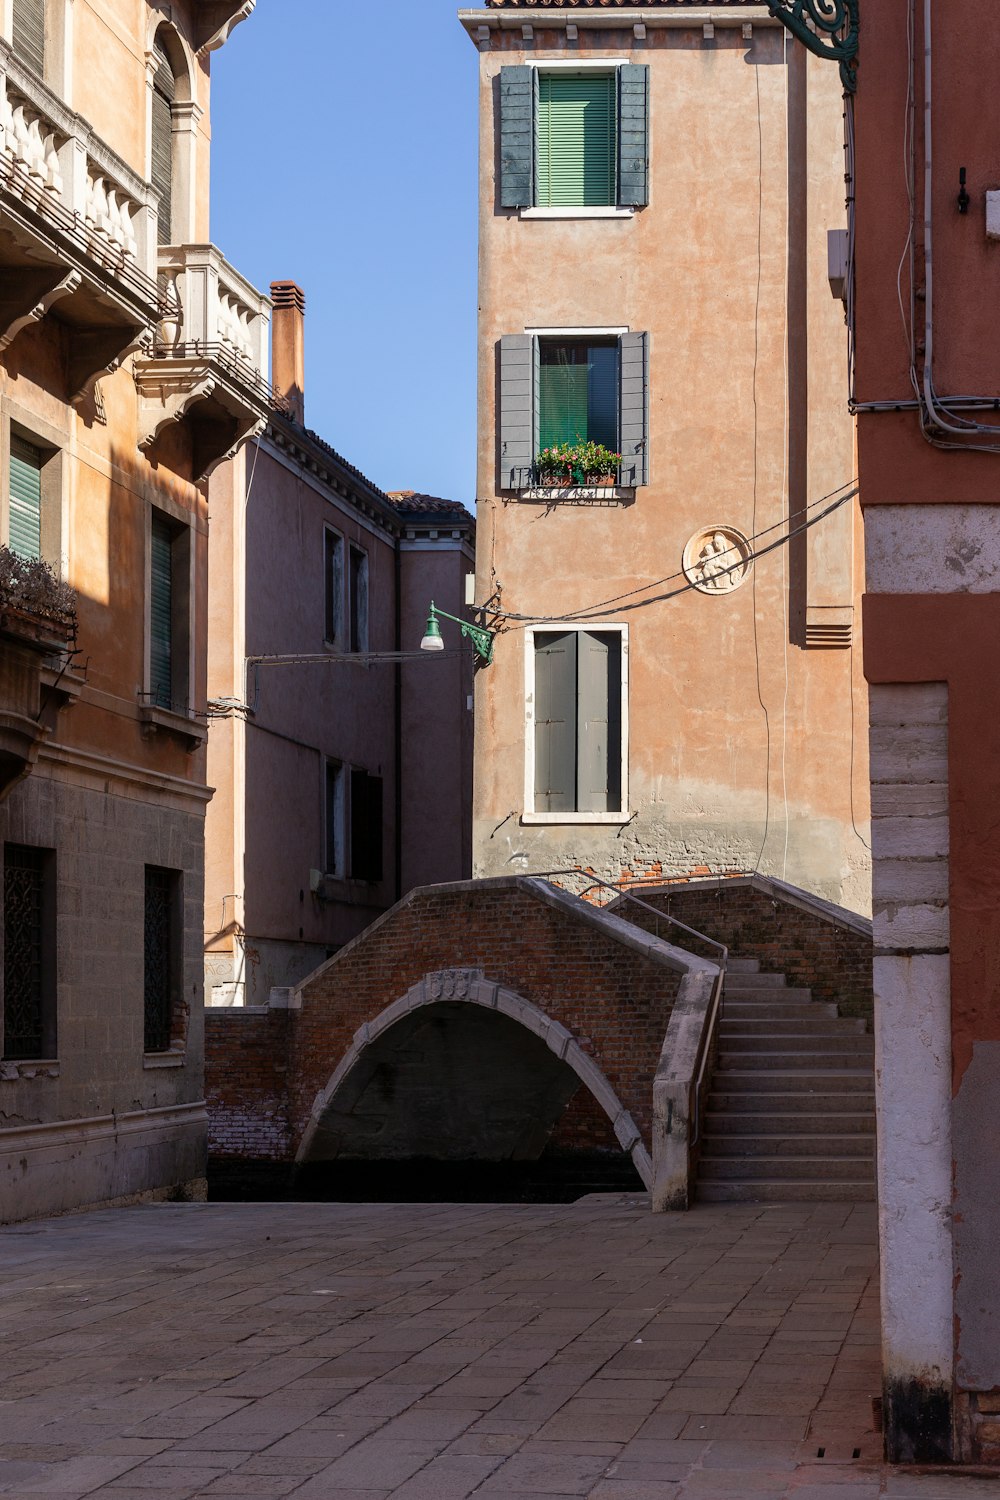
(479,1020)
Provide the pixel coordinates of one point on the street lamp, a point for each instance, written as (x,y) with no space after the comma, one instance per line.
(482,639)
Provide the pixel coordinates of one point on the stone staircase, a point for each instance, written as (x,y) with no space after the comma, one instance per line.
(791,1112)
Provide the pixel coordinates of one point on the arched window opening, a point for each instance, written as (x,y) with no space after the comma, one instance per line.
(28,35)
(161,156)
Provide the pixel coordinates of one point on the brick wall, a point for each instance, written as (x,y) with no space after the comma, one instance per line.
(609,992)
(758,918)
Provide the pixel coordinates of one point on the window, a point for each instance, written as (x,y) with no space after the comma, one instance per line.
(333,577)
(366,825)
(169,610)
(578,391)
(24,527)
(162,957)
(359,600)
(575,138)
(29,959)
(577,711)
(333,810)
(561,388)
(28,34)
(162,142)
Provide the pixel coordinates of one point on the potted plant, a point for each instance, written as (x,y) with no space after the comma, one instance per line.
(32,597)
(579,463)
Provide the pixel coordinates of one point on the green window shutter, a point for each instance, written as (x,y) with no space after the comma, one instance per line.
(517,125)
(28,34)
(634,407)
(161,613)
(576,140)
(161,153)
(633,135)
(516,424)
(555,721)
(25,514)
(598,722)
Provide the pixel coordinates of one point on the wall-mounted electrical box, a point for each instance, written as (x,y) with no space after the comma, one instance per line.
(837,246)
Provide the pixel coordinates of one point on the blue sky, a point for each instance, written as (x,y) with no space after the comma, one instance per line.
(344,157)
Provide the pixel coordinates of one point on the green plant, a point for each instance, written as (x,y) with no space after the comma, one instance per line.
(29,584)
(577,463)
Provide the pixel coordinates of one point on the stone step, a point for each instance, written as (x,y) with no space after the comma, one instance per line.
(805,1025)
(774,1010)
(743,966)
(756,995)
(800,1145)
(793,1168)
(751,1081)
(764,1190)
(770,1043)
(744,980)
(741,1061)
(771,1119)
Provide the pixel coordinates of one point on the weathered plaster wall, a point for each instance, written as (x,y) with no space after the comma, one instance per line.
(746,749)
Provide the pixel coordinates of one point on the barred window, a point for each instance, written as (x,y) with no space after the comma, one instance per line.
(162,954)
(29,999)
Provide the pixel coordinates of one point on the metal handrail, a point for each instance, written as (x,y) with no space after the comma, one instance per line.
(711,1019)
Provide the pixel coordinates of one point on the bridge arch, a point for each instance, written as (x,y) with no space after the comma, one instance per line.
(471,987)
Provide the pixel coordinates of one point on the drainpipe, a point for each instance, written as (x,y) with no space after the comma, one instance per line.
(398,717)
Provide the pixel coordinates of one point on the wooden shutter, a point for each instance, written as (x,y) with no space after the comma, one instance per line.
(25,499)
(333,569)
(161,613)
(161,152)
(517,112)
(366,825)
(634,407)
(333,862)
(633,135)
(516,410)
(28,34)
(576,140)
(359,600)
(555,721)
(598,722)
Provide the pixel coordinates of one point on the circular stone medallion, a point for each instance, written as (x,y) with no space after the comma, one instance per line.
(717,560)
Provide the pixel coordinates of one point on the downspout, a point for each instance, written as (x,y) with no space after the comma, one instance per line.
(398,717)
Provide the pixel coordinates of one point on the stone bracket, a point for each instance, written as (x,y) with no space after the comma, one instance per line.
(29,297)
(216,20)
(99,351)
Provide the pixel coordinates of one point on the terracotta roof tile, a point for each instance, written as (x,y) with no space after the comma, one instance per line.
(409,502)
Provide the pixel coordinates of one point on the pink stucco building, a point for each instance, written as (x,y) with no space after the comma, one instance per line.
(341,755)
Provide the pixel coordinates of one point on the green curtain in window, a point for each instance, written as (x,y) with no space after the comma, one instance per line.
(25,523)
(578,396)
(576,140)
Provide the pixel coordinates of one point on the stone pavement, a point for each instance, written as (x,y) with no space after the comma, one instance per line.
(433,1352)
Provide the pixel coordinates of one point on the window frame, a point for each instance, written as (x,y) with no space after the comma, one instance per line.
(334,607)
(529,815)
(174,958)
(15,423)
(357,629)
(611,340)
(182,598)
(335,771)
(48,961)
(535,210)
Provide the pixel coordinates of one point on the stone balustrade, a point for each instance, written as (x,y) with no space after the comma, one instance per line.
(208,307)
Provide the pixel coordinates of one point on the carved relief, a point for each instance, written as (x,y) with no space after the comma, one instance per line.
(717,560)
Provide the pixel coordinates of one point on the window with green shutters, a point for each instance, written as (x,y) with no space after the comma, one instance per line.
(24,535)
(576,140)
(578,392)
(577,721)
(161,152)
(161,612)
(28,34)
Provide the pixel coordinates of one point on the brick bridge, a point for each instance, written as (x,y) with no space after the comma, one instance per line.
(485,1019)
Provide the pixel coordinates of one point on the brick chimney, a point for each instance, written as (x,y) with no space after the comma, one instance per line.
(288,345)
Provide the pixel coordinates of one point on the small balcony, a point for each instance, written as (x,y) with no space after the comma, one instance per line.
(37,627)
(77,231)
(206,365)
(615,488)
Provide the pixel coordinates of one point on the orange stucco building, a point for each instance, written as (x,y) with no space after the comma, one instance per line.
(662,224)
(133,360)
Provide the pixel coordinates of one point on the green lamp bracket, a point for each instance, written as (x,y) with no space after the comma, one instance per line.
(829,28)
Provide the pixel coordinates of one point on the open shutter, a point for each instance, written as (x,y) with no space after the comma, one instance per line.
(25,513)
(161,153)
(633,135)
(366,825)
(598,732)
(634,407)
(28,34)
(517,136)
(161,613)
(555,721)
(516,414)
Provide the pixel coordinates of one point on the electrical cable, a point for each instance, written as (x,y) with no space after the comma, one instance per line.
(756,425)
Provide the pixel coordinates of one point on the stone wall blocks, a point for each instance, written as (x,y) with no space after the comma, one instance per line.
(558,1039)
(910,800)
(910,838)
(910,881)
(917,929)
(911,753)
(626,1131)
(894,705)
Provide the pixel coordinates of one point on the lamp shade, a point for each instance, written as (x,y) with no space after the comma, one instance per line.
(432,637)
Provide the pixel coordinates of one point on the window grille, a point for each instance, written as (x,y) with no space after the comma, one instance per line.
(160,941)
(28,1009)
